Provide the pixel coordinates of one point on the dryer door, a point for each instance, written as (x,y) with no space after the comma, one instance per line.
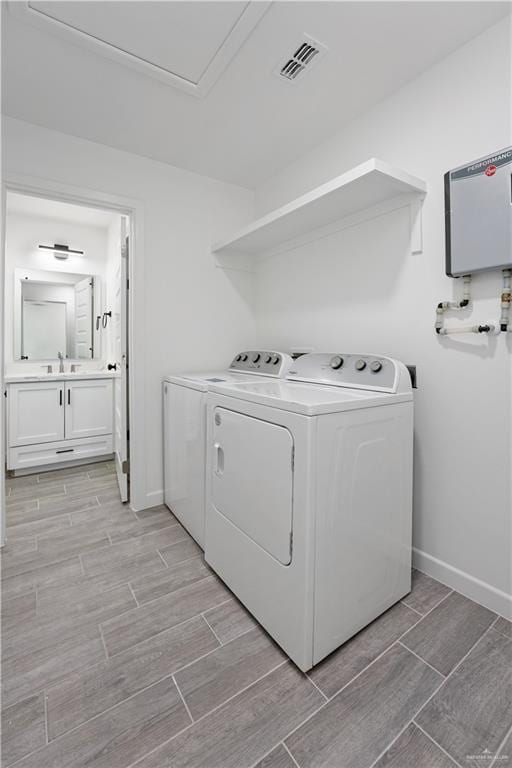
(252,483)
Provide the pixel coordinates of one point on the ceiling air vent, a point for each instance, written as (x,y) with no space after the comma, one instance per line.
(305,54)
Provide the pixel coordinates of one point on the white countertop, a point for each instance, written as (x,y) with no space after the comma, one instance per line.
(19,378)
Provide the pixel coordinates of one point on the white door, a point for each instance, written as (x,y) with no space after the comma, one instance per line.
(89,408)
(36,412)
(120,348)
(252,479)
(83,318)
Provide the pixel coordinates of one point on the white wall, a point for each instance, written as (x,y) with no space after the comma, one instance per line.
(23,235)
(362,290)
(194,315)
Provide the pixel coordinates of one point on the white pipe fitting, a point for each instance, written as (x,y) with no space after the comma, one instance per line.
(506,298)
(488,328)
(444,306)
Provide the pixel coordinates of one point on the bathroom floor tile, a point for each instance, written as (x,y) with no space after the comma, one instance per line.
(160,614)
(473,709)
(229,620)
(414,748)
(245,728)
(163,582)
(120,736)
(182,550)
(23,729)
(444,636)
(278,758)
(39,527)
(504,627)
(95,689)
(53,573)
(47,663)
(122,648)
(212,680)
(426,592)
(354,727)
(343,664)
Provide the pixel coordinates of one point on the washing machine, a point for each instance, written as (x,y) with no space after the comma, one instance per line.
(309,497)
(185,430)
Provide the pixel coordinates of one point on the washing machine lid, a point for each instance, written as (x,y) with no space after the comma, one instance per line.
(307,399)
(248,365)
(203,381)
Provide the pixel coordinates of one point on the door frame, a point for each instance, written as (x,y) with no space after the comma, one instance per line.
(134,209)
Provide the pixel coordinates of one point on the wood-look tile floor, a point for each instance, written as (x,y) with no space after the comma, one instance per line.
(121,648)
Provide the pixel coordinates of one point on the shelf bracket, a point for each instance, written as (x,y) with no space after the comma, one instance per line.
(416,213)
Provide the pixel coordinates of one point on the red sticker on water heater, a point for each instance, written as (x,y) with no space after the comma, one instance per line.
(490,170)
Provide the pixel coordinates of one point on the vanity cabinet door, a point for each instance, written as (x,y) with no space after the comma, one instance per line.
(89,408)
(36,412)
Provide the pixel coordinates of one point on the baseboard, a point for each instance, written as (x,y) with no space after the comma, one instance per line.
(151,499)
(462,582)
(39,469)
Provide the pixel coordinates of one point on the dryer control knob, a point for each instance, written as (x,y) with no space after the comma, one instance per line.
(268,359)
(336,362)
(256,357)
(360,365)
(244,358)
(376,366)
(276,359)
(238,358)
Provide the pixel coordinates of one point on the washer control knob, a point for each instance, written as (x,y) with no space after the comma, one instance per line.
(276,359)
(268,359)
(256,357)
(244,358)
(360,365)
(376,366)
(336,362)
(238,358)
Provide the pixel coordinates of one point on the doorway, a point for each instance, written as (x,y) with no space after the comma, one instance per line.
(66,277)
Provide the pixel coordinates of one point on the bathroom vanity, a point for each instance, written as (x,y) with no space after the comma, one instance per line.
(58,418)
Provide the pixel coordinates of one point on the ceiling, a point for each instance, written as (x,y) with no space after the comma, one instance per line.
(250,123)
(54,209)
(101,20)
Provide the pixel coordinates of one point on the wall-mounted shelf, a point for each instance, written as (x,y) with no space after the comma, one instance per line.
(365,186)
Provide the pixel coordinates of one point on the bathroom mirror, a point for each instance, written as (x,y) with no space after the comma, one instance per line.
(56,312)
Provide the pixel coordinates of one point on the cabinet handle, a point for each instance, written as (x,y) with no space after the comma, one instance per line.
(69,397)
(65,450)
(60,397)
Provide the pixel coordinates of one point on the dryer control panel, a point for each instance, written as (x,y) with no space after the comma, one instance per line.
(357,371)
(265,362)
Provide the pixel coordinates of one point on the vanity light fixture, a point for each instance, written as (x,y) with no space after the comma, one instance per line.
(60,251)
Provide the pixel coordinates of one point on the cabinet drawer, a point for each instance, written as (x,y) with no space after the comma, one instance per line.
(26,456)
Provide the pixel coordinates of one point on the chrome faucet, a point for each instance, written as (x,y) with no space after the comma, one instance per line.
(61,362)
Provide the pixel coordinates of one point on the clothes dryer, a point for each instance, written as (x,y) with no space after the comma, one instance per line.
(309,497)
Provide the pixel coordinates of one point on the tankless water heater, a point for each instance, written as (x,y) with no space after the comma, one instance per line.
(478,208)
